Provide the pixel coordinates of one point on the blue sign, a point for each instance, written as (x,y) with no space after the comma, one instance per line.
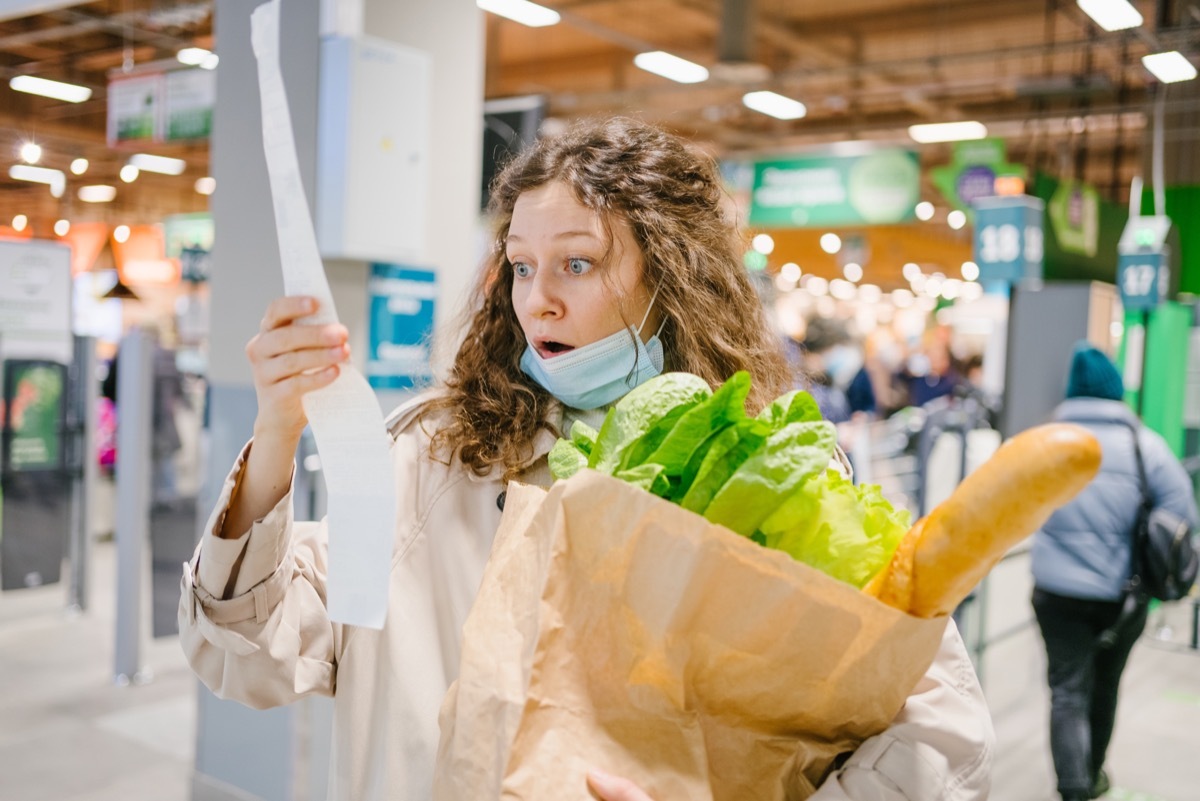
(1009,238)
(400,315)
(1142,279)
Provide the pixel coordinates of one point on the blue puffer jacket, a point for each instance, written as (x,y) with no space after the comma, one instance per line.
(1083,550)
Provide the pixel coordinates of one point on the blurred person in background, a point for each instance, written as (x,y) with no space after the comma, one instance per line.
(834,365)
(1081,562)
(929,373)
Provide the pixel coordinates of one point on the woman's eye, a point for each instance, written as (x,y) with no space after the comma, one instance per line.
(522,270)
(578,266)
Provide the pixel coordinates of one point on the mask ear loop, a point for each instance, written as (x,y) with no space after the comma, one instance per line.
(646,316)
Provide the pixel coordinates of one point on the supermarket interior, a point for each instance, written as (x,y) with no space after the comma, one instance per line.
(964,222)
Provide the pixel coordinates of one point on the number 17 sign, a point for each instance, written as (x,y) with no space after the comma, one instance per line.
(1142,279)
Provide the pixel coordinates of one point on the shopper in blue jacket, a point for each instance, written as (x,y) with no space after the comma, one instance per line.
(1081,561)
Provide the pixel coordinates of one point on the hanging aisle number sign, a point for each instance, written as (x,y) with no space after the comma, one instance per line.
(1008,238)
(1143,268)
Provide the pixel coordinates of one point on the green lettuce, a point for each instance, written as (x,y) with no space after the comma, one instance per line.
(846,531)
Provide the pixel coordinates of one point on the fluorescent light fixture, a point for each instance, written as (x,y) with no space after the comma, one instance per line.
(192,56)
(206,185)
(97,193)
(40,175)
(31,153)
(947,132)
(57,90)
(79,166)
(19,222)
(210,62)
(774,105)
(129,173)
(1111,15)
(521,11)
(159,164)
(675,68)
(1169,67)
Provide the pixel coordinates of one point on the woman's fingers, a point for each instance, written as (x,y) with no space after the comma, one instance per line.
(298,385)
(607,787)
(285,310)
(284,339)
(294,362)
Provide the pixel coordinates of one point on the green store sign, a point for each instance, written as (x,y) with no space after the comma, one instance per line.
(878,188)
(972,172)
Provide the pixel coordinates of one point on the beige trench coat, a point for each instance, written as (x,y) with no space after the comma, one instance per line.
(254,627)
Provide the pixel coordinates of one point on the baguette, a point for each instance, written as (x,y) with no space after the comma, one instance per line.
(945,554)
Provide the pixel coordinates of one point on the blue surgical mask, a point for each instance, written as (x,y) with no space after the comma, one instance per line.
(595,375)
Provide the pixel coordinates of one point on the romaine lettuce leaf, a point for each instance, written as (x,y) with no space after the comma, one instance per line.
(763,481)
(639,410)
(846,531)
(566,459)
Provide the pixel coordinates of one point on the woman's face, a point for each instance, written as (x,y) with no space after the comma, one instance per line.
(570,284)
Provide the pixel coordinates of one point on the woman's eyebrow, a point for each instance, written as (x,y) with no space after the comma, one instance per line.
(560,235)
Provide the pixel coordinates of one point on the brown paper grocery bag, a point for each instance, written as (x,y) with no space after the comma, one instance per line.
(618,631)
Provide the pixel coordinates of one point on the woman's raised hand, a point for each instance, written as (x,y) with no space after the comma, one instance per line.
(289,360)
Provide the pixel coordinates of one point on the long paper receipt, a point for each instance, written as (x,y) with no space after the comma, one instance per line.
(345,416)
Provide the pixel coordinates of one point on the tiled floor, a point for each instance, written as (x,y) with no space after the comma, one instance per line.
(68,734)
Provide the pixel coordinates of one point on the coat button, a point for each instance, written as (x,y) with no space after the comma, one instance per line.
(500,500)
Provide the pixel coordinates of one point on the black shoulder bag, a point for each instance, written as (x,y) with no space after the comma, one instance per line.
(1164,562)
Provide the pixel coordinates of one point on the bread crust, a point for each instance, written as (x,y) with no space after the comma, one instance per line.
(944,555)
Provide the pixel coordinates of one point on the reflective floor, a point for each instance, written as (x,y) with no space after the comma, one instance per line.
(68,734)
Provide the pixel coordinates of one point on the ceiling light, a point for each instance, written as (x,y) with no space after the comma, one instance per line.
(853,272)
(79,166)
(763,243)
(121,233)
(40,175)
(677,69)
(62,227)
(206,185)
(129,173)
(69,92)
(956,219)
(97,193)
(31,153)
(159,164)
(526,13)
(831,243)
(1111,15)
(19,222)
(774,105)
(947,131)
(210,62)
(924,210)
(193,56)
(1169,67)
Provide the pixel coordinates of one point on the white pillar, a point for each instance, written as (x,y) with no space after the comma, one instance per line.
(281,754)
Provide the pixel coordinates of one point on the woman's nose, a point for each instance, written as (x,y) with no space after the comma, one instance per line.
(542,300)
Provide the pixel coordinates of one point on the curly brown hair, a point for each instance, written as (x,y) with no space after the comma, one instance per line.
(671,196)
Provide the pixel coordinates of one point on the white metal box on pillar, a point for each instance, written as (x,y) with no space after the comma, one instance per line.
(372,150)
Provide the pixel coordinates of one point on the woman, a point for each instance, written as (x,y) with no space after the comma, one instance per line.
(612,262)
(1080,563)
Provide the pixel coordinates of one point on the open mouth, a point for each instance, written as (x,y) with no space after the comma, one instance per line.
(548,348)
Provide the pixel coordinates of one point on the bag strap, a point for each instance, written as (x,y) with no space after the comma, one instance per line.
(1147,499)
